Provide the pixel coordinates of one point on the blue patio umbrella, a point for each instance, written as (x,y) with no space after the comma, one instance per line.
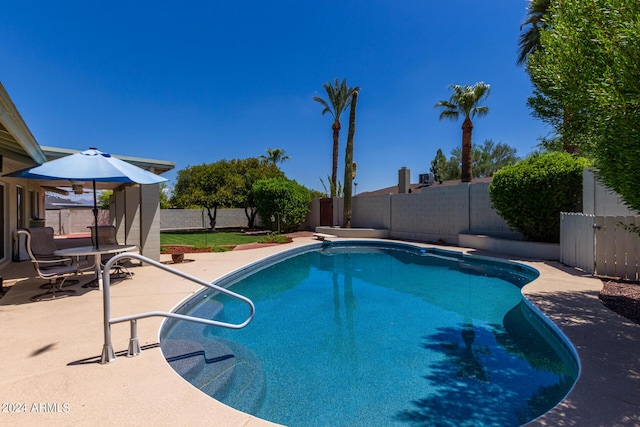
(92,166)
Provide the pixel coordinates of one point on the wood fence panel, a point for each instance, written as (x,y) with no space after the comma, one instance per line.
(577,241)
(609,246)
(620,248)
(567,239)
(631,271)
(600,244)
(585,244)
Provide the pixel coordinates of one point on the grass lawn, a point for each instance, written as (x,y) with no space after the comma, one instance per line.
(218,239)
(202,238)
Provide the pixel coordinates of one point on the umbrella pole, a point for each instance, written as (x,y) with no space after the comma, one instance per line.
(95,213)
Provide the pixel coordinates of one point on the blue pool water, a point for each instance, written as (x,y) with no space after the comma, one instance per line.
(385,335)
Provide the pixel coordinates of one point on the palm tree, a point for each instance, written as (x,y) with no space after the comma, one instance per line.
(464,100)
(537,19)
(339,96)
(275,156)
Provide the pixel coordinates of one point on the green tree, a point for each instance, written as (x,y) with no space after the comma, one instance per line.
(589,65)
(275,156)
(488,158)
(530,195)
(443,169)
(491,157)
(537,20)
(464,101)
(104,199)
(349,165)
(208,186)
(316,194)
(282,204)
(542,103)
(439,165)
(339,95)
(249,171)
(165,202)
(333,188)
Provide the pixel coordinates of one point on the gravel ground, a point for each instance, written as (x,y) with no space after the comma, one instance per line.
(622,297)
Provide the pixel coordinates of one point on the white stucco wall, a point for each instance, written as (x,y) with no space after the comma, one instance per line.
(600,200)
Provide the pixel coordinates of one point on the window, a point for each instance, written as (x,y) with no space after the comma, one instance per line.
(34,208)
(20,202)
(3,233)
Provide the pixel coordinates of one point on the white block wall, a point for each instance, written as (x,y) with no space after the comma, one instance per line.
(483,218)
(194,219)
(371,212)
(438,212)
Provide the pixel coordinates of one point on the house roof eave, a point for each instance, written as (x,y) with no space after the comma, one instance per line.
(152,165)
(16,140)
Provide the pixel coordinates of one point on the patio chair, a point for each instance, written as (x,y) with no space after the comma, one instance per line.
(55,269)
(43,246)
(107,237)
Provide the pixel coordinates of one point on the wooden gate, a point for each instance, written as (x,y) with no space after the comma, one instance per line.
(617,248)
(604,245)
(577,240)
(326,212)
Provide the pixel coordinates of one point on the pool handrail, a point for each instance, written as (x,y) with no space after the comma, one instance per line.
(108,355)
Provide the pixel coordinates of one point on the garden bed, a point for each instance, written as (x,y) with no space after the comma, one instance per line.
(187,249)
(623,297)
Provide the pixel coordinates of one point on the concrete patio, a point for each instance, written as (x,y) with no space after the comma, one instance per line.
(50,351)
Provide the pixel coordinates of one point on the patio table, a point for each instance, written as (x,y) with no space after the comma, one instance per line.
(97,254)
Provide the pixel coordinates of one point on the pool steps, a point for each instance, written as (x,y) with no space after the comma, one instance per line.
(185,357)
(219,367)
(240,384)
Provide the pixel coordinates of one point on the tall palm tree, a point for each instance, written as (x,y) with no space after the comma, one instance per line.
(339,95)
(275,156)
(537,19)
(464,100)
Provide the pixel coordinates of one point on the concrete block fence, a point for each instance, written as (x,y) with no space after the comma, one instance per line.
(436,213)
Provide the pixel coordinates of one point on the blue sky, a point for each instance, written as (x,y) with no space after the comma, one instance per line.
(198,81)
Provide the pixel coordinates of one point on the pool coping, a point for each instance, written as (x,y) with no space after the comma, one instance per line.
(50,351)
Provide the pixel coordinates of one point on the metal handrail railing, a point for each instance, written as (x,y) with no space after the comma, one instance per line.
(108,354)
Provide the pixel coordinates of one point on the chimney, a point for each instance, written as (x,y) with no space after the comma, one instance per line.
(404,180)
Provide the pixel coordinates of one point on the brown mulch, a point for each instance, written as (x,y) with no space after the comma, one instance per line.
(623,297)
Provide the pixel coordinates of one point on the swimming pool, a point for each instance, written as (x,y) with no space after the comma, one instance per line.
(376,334)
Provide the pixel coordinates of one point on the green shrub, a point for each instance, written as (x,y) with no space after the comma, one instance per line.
(282,204)
(274,238)
(200,246)
(531,194)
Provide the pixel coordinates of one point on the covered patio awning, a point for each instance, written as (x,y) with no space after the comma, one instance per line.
(151,165)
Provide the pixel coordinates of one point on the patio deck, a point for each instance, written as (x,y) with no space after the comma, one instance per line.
(50,351)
